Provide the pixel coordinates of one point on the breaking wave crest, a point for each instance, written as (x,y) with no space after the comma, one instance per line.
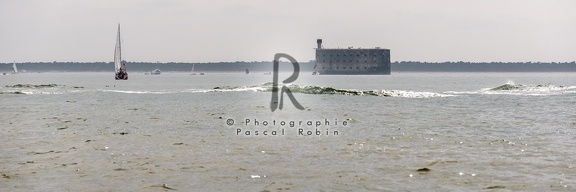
(313,89)
(45,89)
(511,88)
(135,92)
(265,87)
(521,89)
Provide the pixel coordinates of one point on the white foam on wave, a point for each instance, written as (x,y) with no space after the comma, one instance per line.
(216,89)
(511,88)
(135,92)
(532,90)
(37,92)
(312,89)
(241,89)
(42,89)
(226,89)
(414,94)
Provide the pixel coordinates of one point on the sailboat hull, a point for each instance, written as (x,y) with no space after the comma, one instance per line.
(121,76)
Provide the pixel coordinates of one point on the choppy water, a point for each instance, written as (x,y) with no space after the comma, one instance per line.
(407,131)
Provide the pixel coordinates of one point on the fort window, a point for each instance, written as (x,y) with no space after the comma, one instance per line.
(350,67)
(357,67)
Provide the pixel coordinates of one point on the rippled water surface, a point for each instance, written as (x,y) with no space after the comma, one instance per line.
(175,131)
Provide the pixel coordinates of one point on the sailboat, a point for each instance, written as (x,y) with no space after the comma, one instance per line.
(315,72)
(156,72)
(15,70)
(193,73)
(247,71)
(119,67)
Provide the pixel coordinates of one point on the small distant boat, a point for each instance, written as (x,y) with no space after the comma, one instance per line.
(315,73)
(156,72)
(201,73)
(247,71)
(14,69)
(268,73)
(193,73)
(120,67)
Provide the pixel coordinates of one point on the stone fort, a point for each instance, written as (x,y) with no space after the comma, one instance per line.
(352,61)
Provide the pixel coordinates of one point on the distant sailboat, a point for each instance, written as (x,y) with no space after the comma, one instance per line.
(315,72)
(193,73)
(119,67)
(15,70)
(156,72)
(247,71)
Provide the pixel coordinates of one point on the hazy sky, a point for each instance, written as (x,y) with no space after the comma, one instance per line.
(254,30)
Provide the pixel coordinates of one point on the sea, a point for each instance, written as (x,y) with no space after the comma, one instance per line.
(225,132)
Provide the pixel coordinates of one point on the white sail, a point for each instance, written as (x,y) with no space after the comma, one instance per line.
(14,68)
(118,53)
(119,67)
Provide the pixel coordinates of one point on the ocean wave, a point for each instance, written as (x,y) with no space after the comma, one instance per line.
(536,90)
(32,86)
(44,89)
(381,93)
(260,88)
(304,89)
(135,91)
(511,88)
(319,90)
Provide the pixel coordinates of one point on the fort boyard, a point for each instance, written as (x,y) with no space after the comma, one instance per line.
(351,61)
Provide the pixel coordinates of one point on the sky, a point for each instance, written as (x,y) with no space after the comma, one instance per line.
(254,30)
